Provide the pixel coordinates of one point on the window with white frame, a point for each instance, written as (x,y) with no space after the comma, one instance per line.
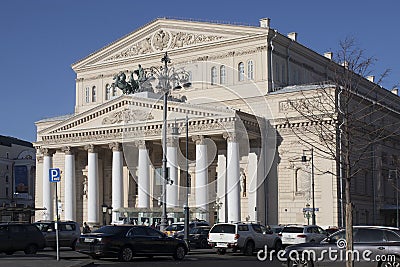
(222,75)
(94,94)
(250,70)
(108,92)
(241,71)
(213,75)
(87,95)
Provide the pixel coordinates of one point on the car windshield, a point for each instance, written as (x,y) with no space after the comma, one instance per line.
(223,228)
(111,229)
(292,229)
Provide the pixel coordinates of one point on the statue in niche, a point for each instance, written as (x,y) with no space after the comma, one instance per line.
(85,186)
(243,183)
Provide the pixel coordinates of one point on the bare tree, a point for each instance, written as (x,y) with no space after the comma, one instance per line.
(346,117)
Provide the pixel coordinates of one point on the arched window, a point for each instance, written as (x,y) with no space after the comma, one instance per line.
(222,75)
(108,92)
(94,94)
(87,95)
(250,70)
(213,75)
(241,71)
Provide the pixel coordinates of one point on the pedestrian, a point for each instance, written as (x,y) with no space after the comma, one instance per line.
(86,228)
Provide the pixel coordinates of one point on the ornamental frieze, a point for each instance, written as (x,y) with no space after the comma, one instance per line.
(164,40)
(126,116)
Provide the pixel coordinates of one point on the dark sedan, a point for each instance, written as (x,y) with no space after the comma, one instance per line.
(197,236)
(376,246)
(127,241)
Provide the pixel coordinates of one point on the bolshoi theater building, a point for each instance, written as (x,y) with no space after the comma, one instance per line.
(229,151)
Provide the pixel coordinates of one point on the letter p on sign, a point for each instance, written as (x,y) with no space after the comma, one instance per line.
(54,175)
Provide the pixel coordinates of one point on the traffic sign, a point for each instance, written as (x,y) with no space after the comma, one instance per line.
(310,209)
(54,175)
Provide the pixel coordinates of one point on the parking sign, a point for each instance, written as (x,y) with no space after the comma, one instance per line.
(54,175)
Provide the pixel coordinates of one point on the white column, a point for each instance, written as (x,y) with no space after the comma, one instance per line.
(48,190)
(233,178)
(143,176)
(221,187)
(70,190)
(252,177)
(117,179)
(172,164)
(201,175)
(93,186)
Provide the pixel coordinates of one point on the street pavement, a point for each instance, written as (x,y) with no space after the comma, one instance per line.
(69,258)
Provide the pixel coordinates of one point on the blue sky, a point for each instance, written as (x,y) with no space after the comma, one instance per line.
(41,39)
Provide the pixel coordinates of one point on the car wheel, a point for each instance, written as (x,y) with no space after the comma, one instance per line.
(300,263)
(249,248)
(278,246)
(31,249)
(221,251)
(203,243)
(393,263)
(126,254)
(179,253)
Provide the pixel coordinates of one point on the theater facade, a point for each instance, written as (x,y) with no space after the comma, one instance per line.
(242,160)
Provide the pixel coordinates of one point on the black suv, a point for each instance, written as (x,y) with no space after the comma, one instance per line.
(68,233)
(18,236)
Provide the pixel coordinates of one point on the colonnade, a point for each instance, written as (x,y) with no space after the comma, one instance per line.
(230,188)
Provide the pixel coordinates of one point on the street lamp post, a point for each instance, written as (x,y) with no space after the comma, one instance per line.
(186,206)
(391,179)
(304,159)
(165,76)
(104,210)
(109,210)
(306,212)
(217,207)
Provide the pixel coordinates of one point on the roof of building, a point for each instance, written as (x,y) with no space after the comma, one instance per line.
(302,87)
(9,141)
(57,118)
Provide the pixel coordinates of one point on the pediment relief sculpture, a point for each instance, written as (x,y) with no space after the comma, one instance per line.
(163,40)
(126,116)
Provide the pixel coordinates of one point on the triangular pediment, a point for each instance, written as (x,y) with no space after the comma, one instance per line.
(165,35)
(132,110)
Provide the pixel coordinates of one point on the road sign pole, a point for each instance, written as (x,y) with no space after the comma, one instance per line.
(55,177)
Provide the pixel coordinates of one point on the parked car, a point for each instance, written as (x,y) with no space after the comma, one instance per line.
(245,237)
(296,234)
(276,228)
(332,229)
(127,241)
(68,233)
(179,226)
(197,236)
(17,237)
(382,244)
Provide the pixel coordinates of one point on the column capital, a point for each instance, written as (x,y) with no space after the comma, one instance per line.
(172,141)
(115,146)
(142,144)
(91,148)
(47,151)
(199,139)
(67,150)
(231,136)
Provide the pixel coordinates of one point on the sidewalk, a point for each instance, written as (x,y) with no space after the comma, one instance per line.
(46,258)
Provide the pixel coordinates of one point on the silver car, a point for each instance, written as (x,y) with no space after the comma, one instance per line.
(68,234)
(376,246)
